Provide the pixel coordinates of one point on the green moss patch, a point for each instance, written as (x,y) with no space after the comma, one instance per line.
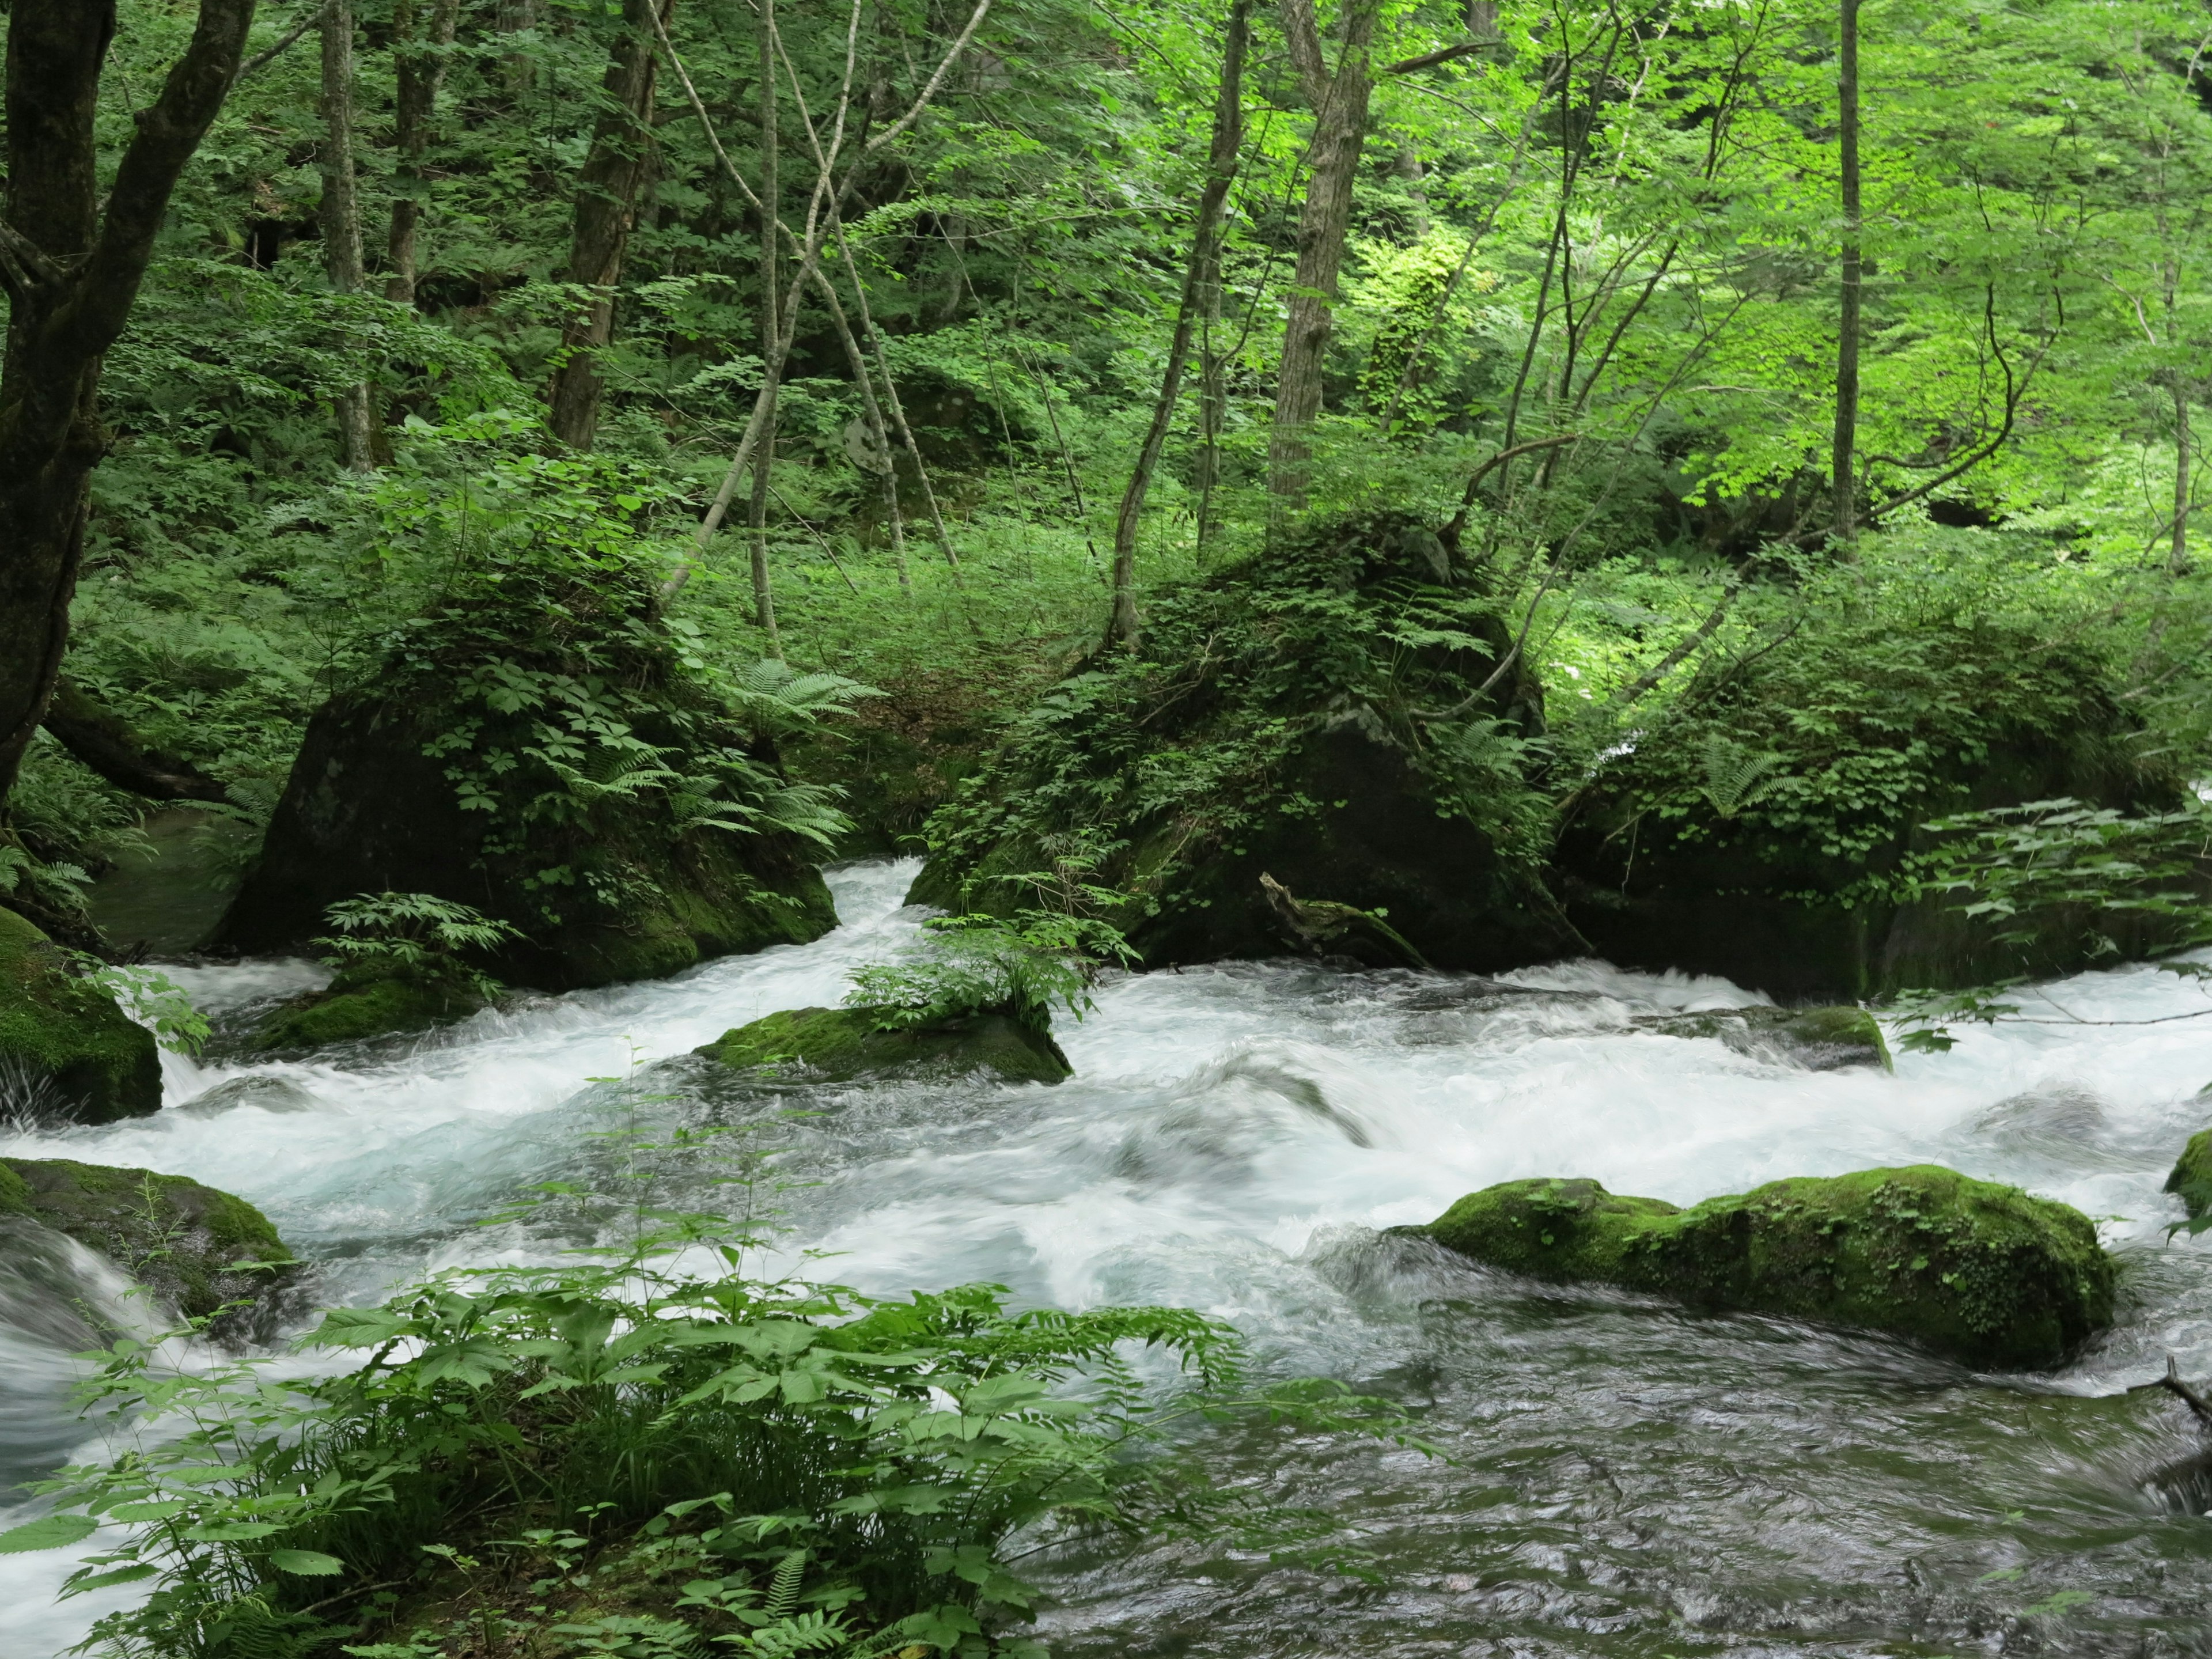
(179,1239)
(352,1012)
(2192,1175)
(62,1038)
(1819,1039)
(1983,1273)
(840,1045)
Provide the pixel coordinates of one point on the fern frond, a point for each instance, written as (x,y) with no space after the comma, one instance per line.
(1735,779)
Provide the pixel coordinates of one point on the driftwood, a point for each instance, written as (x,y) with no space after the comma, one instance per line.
(2172,1383)
(1320,925)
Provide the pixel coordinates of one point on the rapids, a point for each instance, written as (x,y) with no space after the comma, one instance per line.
(1621,1477)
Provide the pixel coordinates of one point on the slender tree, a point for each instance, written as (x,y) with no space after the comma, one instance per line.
(771,330)
(1842,466)
(607,189)
(419,68)
(1201,289)
(1339,99)
(340,213)
(73,250)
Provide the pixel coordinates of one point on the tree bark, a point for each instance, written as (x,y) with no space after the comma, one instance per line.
(1340,106)
(1842,467)
(771,196)
(606,207)
(1202,278)
(2178,556)
(340,212)
(71,267)
(420,69)
(104,741)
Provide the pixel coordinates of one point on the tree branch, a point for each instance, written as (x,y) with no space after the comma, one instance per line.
(1431,59)
(262,60)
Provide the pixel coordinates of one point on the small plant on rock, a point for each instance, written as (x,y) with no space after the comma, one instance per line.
(415,936)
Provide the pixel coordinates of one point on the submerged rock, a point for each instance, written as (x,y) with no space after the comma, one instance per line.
(1819,1039)
(181,1240)
(1983,1273)
(353,1009)
(839,1045)
(2192,1175)
(66,1050)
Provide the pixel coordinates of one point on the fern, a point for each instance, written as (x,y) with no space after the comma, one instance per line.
(783,1587)
(1735,779)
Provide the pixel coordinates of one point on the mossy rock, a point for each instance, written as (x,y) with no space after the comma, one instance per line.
(179,1239)
(1818,1039)
(840,1045)
(354,1010)
(66,1050)
(1985,1274)
(2192,1175)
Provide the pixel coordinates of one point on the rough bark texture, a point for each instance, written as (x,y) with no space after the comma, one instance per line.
(606,207)
(341,211)
(71,271)
(1200,287)
(1339,105)
(419,68)
(771,195)
(1841,469)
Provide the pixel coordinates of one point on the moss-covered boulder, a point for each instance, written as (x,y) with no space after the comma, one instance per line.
(1818,1039)
(66,1050)
(839,1045)
(181,1240)
(543,747)
(1336,716)
(353,1009)
(1983,1273)
(2192,1175)
(1760,830)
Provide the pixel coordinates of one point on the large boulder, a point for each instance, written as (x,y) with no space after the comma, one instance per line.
(1761,832)
(356,1007)
(67,1052)
(1983,1273)
(842,1045)
(1818,1039)
(543,749)
(183,1241)
(1330,717)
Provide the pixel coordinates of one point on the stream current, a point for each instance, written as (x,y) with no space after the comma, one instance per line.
(1621,1477)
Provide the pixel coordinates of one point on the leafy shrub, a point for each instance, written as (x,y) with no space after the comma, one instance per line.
(1022,966)
(416,936)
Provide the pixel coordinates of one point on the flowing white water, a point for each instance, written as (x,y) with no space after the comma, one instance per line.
(1626,1480)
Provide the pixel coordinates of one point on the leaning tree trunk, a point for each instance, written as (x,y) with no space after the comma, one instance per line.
(341,211)
(419,68)
(1340,106)
(771,196)
(606,207)
(1200,285)
(1842,466)
(71,260)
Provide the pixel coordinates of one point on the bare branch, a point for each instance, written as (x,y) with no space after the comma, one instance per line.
(929,90)
(262,60)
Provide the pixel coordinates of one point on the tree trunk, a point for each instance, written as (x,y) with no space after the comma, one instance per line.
(1339,106)
(771,197)
(1842,467)
(340,214)
(606,206)
(1200,278)
(2178,558)
(103,740)
(420,68)
(71,265)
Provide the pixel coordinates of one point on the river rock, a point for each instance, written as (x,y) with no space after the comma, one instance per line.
(1288,727)
(2192,1175)
(1985,1274)
(840,1045)
(352,1009)
(1818,1039)
(179,1239)
(67,1051)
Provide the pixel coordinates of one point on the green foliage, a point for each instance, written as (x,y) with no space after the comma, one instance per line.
(1023,965)
(771,1466)
(152,998)
(415,936)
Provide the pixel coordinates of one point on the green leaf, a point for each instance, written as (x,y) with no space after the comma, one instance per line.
(308,1564)
(48,1532)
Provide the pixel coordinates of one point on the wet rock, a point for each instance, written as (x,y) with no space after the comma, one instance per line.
(2192,1175)
(67,1052)
(256,1089)
(1983,1273)
(840,1045)
(181,1240)
(1818,1039)
(352,1009)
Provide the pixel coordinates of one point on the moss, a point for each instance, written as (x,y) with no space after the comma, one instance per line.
(1819,1039)
(350,1011)
(841,1044)
(1983,1273)
(177,1238)
(2192,1175)
(63,1039)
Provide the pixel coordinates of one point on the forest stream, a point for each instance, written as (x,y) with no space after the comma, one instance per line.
(1617,1478)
